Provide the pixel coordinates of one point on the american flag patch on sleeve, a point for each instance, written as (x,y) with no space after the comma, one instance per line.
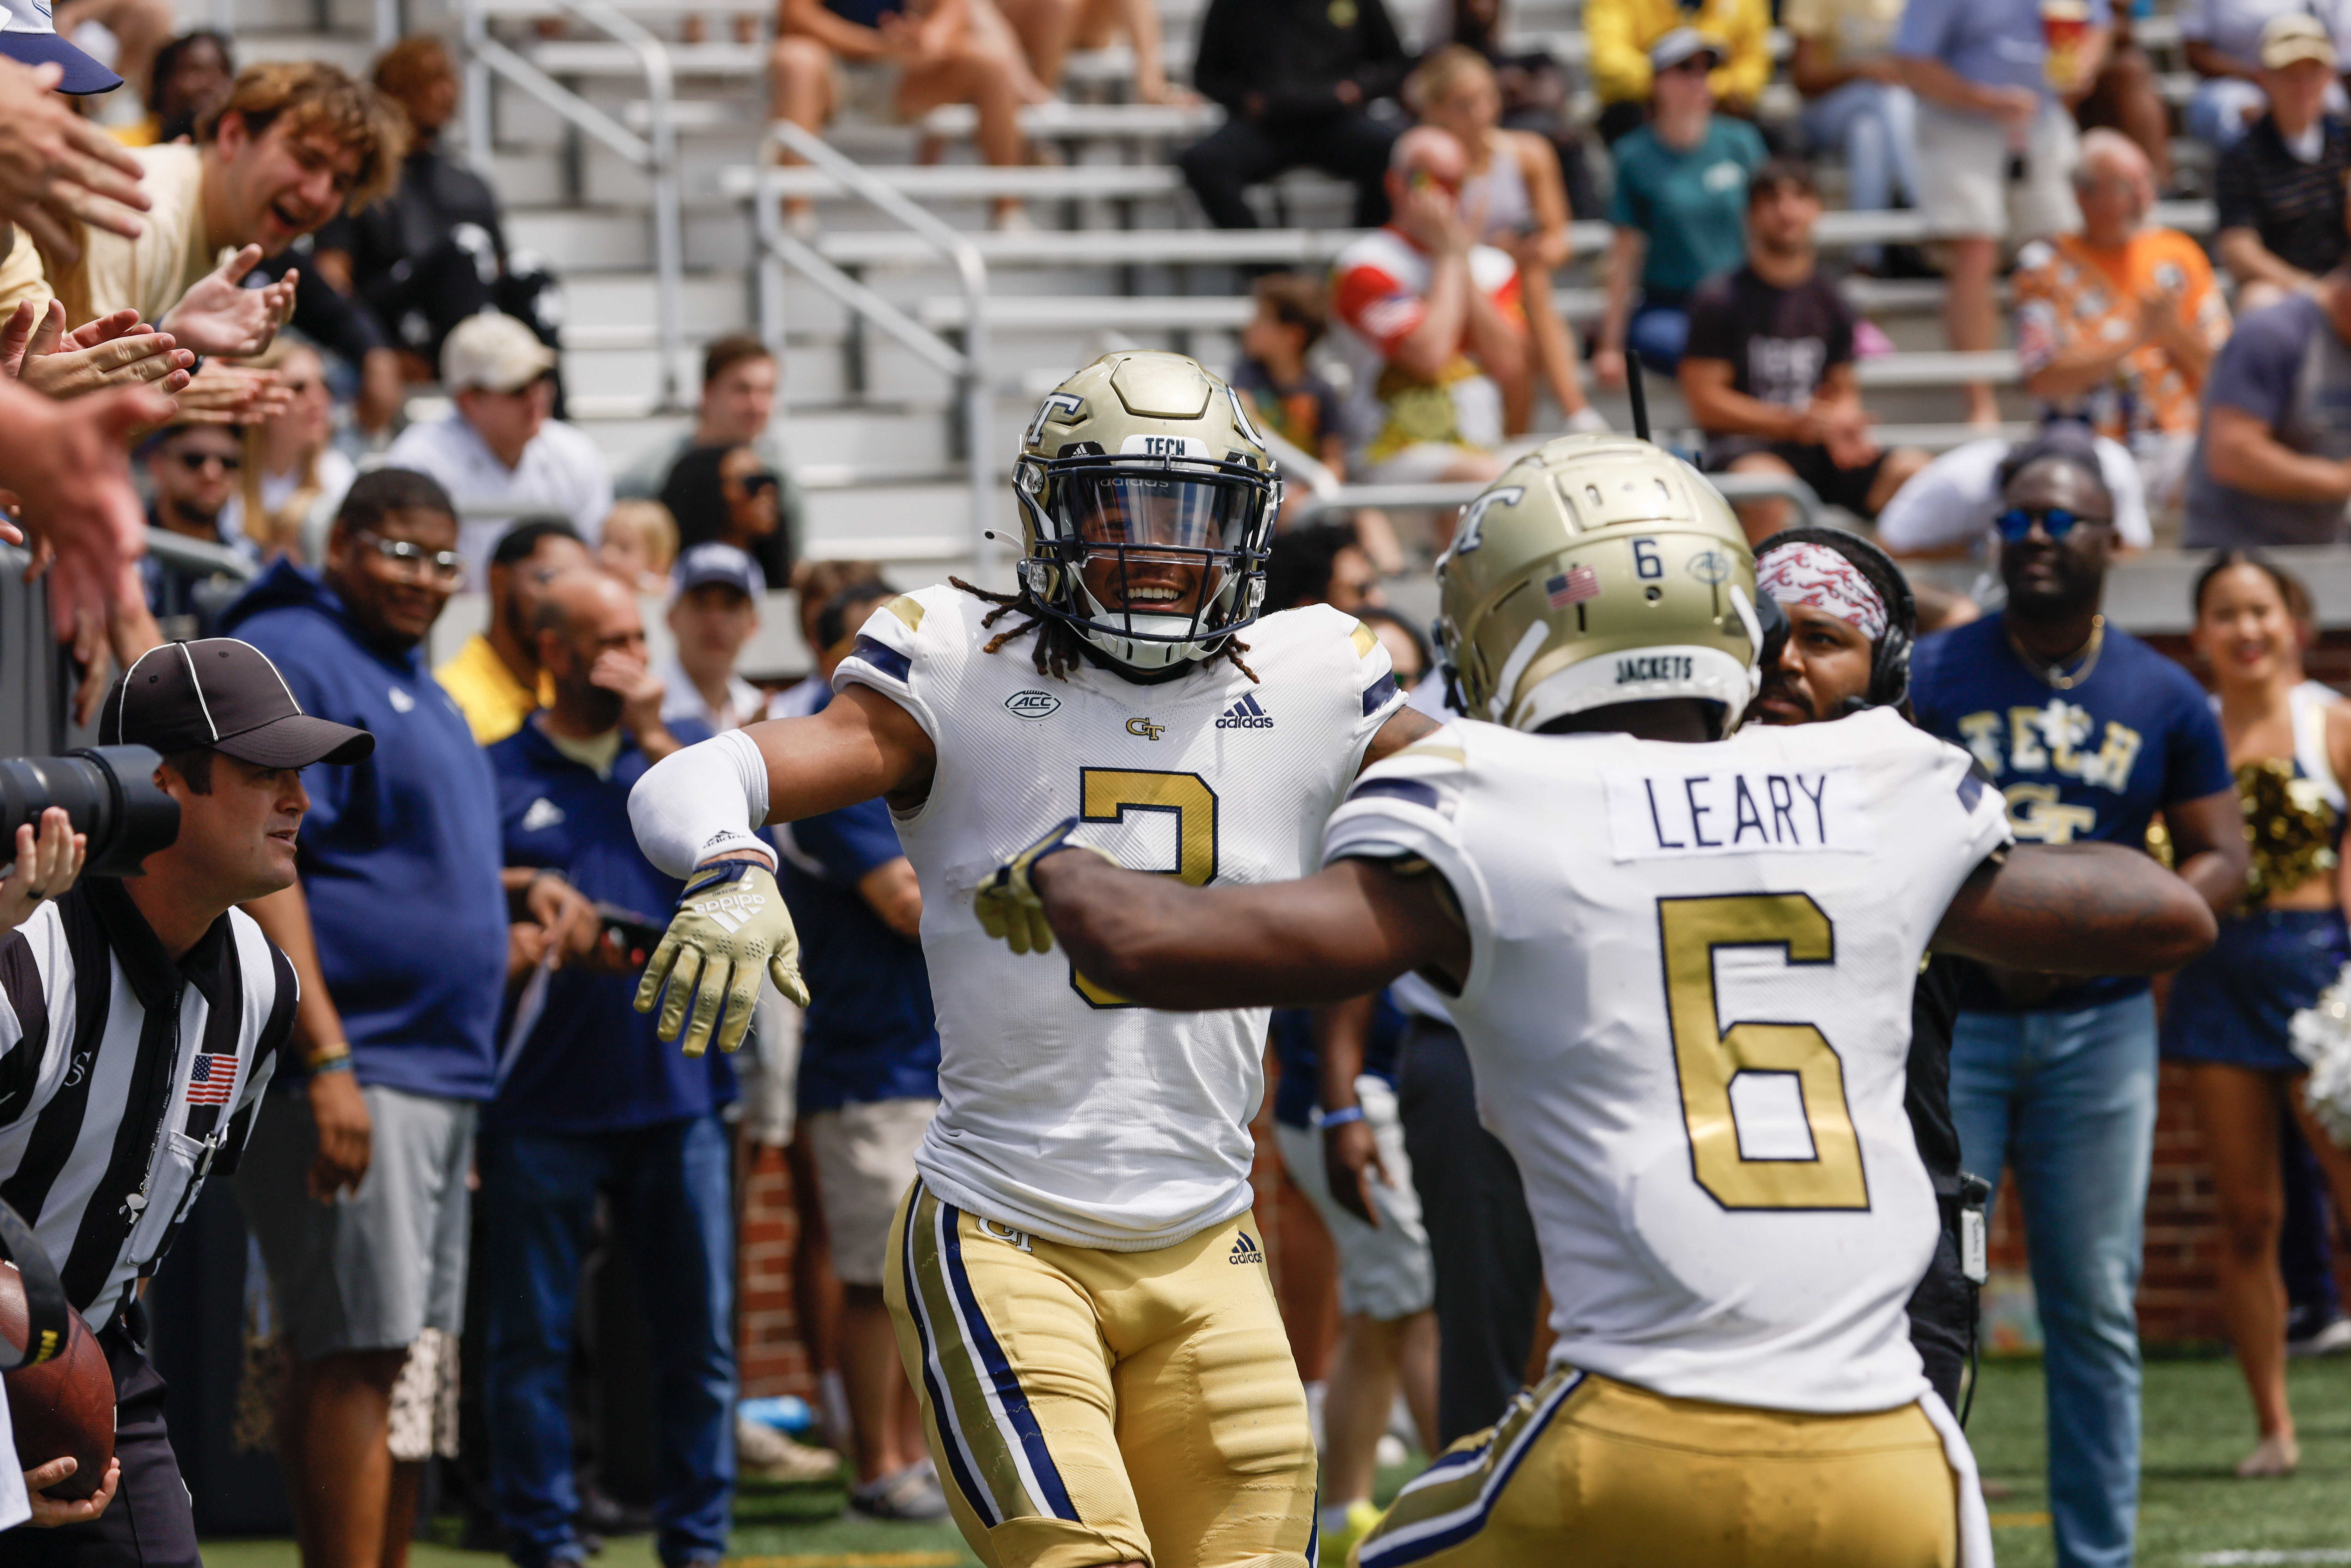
(211,1079)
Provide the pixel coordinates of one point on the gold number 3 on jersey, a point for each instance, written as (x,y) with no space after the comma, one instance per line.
(1710,1057)
(1108,794)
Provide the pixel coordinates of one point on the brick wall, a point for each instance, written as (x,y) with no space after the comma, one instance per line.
(774,1360)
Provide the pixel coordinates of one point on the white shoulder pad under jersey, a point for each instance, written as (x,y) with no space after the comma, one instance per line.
(1689,1011)
(1066,1111)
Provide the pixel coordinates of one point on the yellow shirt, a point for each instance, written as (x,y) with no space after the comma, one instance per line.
(139,134)
(1623,30)
(148,274)
(21,277)
(495,703)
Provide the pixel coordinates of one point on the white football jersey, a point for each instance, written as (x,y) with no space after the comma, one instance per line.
(1065,1112)
(1688,1011)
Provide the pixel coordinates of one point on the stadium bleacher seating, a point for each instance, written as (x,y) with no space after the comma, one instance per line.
(1122,255)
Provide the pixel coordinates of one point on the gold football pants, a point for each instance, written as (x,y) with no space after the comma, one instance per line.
(1086,1407)
(1600,1474)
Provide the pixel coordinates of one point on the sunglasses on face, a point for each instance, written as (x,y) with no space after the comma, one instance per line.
(442,568)
(2055,522)
(1423,180)
(198,461)
(757,481)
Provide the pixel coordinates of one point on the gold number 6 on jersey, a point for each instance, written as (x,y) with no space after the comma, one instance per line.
(1710,1057)
(1108,794)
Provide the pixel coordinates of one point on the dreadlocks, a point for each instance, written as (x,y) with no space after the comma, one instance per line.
(1058,649)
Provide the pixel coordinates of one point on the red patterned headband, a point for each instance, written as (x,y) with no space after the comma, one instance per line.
(1805,573)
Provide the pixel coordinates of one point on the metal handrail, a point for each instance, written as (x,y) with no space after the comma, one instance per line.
(967,365)
(655,152)
(1460,493)
(198,555)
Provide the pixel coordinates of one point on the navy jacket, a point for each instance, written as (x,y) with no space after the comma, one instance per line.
(400,853)
(592,1062)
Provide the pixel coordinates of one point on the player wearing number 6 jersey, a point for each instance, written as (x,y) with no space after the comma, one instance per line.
(1081,1299)
(1683,972)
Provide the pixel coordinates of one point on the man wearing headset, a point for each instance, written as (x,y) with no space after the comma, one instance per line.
(1851,623)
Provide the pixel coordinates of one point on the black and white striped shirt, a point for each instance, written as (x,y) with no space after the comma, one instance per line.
(125,1077)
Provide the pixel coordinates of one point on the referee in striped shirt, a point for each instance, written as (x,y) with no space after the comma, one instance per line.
(140,1020)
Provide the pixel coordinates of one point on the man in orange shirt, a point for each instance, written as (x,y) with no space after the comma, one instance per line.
(2121,322)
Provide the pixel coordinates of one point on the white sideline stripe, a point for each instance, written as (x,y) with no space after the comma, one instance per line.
(2249,1556)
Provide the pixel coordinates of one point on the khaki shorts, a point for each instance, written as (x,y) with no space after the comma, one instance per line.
(1092,1406)
(864,1164)
(1385,1273)
(1964,191)
(1604,1475)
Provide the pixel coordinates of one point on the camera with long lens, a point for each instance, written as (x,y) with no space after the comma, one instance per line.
(109,793)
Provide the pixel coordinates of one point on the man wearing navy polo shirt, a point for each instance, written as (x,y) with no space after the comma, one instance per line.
(869,1084)
(589,1100)
(2088,732)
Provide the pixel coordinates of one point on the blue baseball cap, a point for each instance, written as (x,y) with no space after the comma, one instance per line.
(29,36)
(714,562)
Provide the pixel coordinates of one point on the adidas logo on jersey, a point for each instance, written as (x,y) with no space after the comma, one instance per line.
(730,911)
(1246,1251)
(1245,714)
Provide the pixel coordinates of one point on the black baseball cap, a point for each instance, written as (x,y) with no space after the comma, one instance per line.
(225,695)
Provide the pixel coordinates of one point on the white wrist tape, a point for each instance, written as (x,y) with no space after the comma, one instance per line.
(701,802)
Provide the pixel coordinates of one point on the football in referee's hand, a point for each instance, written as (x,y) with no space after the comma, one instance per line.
(65,1405)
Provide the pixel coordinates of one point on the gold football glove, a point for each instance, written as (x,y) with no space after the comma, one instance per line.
(731,924)
(1009,908)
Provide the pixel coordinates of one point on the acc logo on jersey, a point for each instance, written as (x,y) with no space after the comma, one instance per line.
(731,911)
(1146,728)
(1032,704)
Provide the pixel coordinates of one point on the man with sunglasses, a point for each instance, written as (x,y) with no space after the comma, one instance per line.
(355,1185)
(2088,732)
(191,470)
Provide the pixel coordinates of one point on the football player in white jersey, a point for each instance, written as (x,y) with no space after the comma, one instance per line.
(1081,1298)
(1683,972)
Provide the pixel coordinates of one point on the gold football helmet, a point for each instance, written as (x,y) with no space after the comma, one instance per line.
(1148,500)
(1598,569)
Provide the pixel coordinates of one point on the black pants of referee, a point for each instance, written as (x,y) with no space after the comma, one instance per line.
(1481,1237)
(151,1524)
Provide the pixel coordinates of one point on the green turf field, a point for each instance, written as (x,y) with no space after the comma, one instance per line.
(2194,1513)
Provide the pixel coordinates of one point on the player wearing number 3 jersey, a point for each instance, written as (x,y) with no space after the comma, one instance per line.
(1682,965)
(1081,1298)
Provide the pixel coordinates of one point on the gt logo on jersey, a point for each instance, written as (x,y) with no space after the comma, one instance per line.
(1005,1234)
(1146,728)
(1244,715)
(2037,815)
(730,911)
(1246,1251)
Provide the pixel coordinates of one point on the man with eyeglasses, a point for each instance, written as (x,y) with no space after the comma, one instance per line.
(193,470)
(500,453)
(355,1184)
(2088,732)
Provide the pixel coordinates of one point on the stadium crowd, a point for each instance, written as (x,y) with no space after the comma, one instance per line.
(217,314)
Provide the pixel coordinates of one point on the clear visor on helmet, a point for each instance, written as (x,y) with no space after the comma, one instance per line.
(1167,508)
